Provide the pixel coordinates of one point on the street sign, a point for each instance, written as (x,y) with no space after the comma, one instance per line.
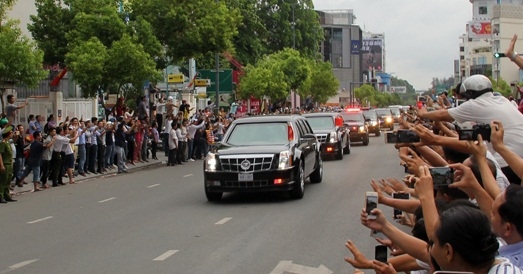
(225,79)
(202,82)
(175,78)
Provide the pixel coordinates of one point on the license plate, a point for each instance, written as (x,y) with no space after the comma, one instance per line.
(245,177)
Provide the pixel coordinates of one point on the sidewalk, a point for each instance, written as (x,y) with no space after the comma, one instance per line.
(162,160)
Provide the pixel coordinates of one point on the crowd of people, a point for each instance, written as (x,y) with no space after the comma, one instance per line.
(54,152)
(469,219)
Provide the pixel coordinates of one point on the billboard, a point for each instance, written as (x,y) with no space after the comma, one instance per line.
(398,89)
(372,53)
(479,29)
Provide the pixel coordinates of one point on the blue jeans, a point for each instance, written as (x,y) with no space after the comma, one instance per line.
(190,148)
(109,155)
(19,167)
(120,154)
(35,170)
(81,158)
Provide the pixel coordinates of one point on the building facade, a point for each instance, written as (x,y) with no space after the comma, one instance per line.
(342,48)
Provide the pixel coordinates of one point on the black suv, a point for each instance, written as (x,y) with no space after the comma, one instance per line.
(359,131)
(264,153)
(331,132)
(374,123)
(386,119)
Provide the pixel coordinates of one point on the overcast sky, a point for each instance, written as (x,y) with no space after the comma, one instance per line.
(421,37)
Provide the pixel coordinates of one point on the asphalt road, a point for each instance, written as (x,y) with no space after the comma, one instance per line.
(158,220)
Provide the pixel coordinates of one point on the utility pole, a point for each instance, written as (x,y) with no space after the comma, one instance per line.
(294,46)
(217,84)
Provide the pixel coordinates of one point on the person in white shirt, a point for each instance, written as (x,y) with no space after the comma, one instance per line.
(56,161)
(173,145)
(191,131)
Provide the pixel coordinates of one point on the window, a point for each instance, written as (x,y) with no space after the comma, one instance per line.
(461,49)
(483,10)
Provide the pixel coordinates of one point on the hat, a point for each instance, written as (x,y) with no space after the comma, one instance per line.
(7,130)
(3,122)
(170,98)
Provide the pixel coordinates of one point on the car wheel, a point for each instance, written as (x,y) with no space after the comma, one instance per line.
(213,196)
(346,150)
(299,183)
(317,175)
(366,141)
(339,154)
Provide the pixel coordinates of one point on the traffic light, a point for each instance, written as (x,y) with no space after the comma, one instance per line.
(499,54)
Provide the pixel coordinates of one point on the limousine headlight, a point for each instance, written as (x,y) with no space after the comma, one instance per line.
(285,160)
(333,137)
(210,162)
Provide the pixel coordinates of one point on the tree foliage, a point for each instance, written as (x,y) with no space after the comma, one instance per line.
(395,81)
(96,43)
(189,28)
(367,95)
(501,86)
(322,84)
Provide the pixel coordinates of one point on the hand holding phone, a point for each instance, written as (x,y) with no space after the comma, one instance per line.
(380,253)
(398,214)
(442,176)
(371,202)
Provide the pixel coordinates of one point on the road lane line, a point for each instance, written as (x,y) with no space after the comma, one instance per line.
(188,175)
(18,265)
(165,255)
(151,186)
(106,200)
(40,220)
(223,221)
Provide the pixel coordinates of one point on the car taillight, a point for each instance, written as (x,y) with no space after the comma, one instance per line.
(338,121)
(290,133)
(278,181)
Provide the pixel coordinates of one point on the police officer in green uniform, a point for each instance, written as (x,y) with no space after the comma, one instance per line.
(6,165)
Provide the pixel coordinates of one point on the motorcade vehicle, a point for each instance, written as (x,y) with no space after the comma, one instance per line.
(264,153)
(374,123)
(385,116)
(331,132)
(359,131)
(396,113)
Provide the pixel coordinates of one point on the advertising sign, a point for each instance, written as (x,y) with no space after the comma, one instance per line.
(372,53)
(355,46)
(479,29)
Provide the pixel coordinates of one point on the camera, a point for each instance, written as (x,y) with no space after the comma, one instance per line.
(391,137)
(472,134)
(442,176)
(380,253)
(403,196)
(407,136)
(371,202)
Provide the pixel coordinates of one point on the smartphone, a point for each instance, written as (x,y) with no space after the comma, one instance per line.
(442,176)
(380,253)
(371,202)
(407,136)
(398,214)
(391,137)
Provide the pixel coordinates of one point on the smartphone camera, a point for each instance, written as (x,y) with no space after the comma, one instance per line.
(371,202)
(472,134)
(442,176)
(391,137)
(398,214)
(407,136)
(380,253)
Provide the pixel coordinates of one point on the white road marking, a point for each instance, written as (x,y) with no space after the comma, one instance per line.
(151,186)
(18,265)
(188,175)
(165,255)
(106,200)
(39,220)
(289,267)
(223,221)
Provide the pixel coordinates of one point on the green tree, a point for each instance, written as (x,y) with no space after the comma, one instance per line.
(501,86)
(322,84)
(189,28)
(98,24)
(395,81)
(20,60)
(49,28)
(365,93)
(277,16)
